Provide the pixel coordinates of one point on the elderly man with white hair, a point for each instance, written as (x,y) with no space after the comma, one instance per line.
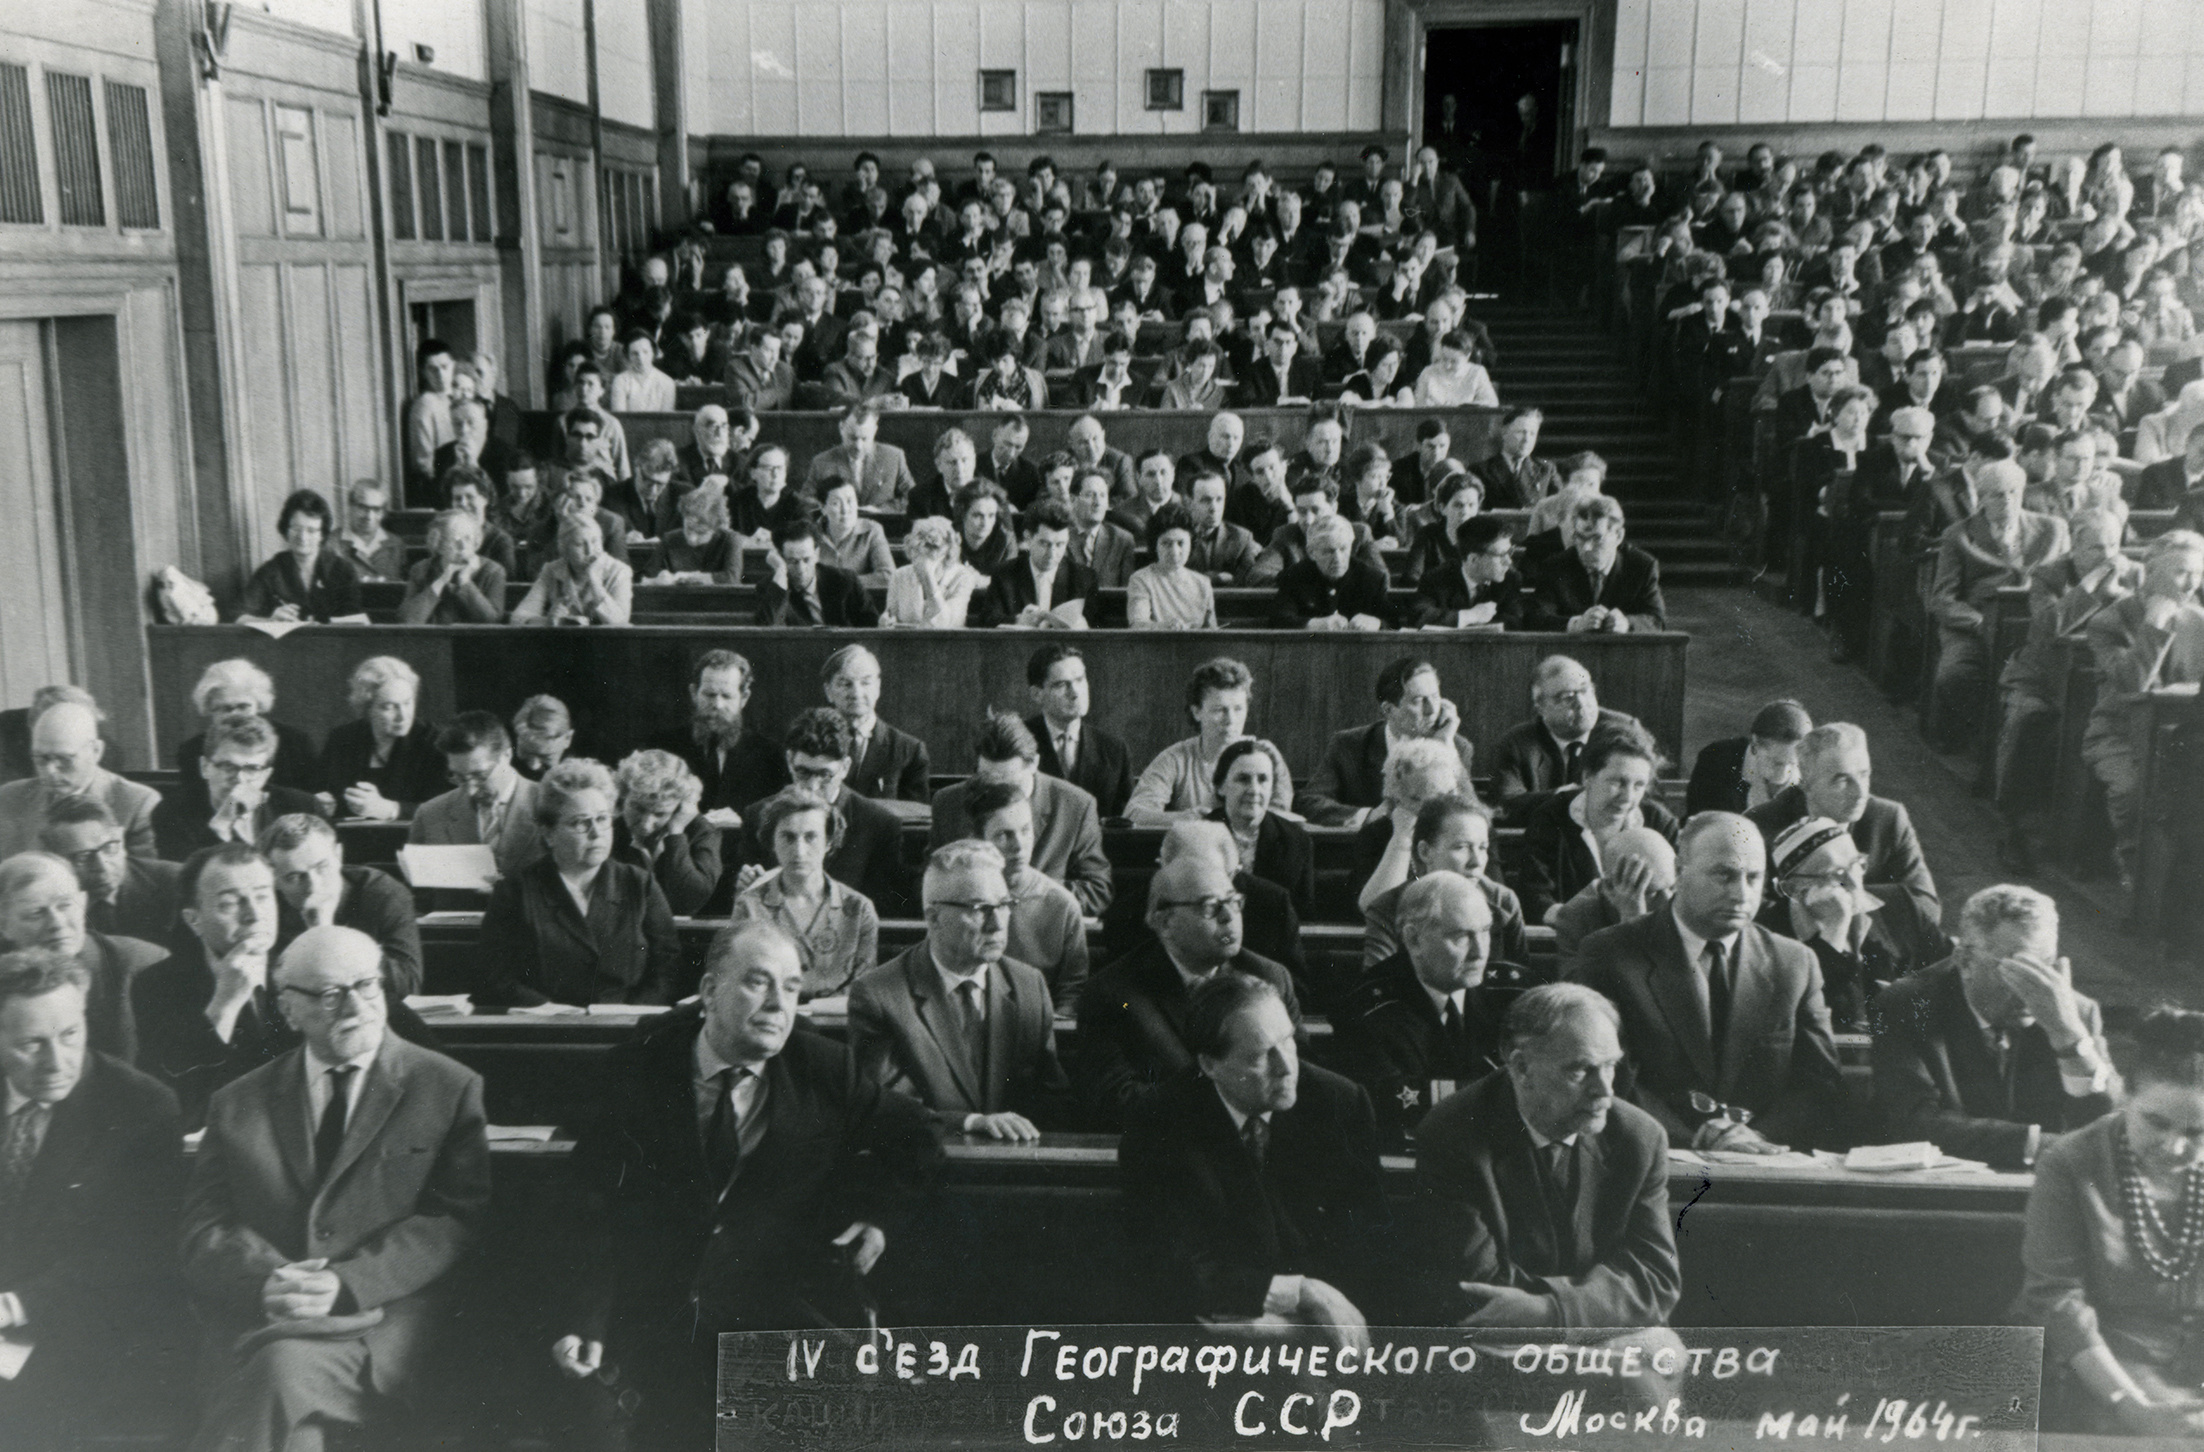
(1836,780)
(1994,547)
(1991,1053)
(66,751)
(43,906)
(1331,589)
(952,1021)
(238,687)
(456,584)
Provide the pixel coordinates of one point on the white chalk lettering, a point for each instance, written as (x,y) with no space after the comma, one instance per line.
(1239,1415)
(1145,1360)
(1044,1403)
(1340,1411)
(1762,1360)
(1285,1414)
(1025,1367)
(968,1362)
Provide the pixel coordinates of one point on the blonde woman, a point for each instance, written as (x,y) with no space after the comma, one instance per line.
(661,831)
(935,589)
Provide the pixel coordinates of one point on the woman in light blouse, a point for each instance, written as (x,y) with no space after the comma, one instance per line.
(935,589)
(849,541)
(1179,784)
(1166,595)
(836,930)
(583,586)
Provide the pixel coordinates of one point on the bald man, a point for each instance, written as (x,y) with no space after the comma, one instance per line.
(1424,1021)
(1638,873)
(1719,1015)
(66,751)
(43,906)
(1270,927)
(1133,1014)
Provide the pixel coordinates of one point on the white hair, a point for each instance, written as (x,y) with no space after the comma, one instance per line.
(234,675)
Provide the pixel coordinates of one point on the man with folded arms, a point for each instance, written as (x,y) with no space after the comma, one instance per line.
(1991,1053)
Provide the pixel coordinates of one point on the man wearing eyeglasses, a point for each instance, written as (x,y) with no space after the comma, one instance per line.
(953,1022)
(128,897)
(1133,1015)
(337,1187)
(817,749)
(66,750)
(240,799)
(1863,942)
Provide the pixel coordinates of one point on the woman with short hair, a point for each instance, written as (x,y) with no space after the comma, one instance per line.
(661,830)
(308,580)
(1272,847)
(384,764)
(1166,595)
(834,927)
(935,589)
(1180,783)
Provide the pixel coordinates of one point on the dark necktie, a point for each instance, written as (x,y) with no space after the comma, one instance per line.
(1557,1161)
(2008,1056)
(723,1137)
(19,1150)
(329,1134)
(1718,996)
(1255,1134)
(1598,581)
(971,1022)
(1457,1040)
(803,603)
(1572,762)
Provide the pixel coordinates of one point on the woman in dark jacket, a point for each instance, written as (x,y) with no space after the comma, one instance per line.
(661,831)
(1620,763)
(385,764)
(540,944)
(308,581)
(1271,847)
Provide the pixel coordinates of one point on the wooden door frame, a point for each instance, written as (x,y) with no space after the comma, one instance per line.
(1595,65)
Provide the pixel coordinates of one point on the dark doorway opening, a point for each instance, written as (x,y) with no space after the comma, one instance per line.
(450,323)
(1500,106)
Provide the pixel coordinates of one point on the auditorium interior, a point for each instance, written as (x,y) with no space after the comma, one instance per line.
(406,404)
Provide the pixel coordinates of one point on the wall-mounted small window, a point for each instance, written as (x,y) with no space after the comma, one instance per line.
(1052,113)
(998,90)
(1220,110)
(1167,90)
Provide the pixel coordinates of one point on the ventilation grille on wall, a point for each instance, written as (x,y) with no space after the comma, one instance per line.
(76,149)
(130,138)
(19,199)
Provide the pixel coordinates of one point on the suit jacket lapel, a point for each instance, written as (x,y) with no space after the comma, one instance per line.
(287,1117)
(70,1135)
(937,1016)
(1003,1012)
(1752,992)
(1669,978)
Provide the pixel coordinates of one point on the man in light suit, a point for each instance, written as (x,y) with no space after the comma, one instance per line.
(881,472)
(1719,1015)
(66,750)
(954,1023)
(726,1116)
(87,1219)
(1067,828)
(490,802)
(1350,781)
(336,1189)
(131,897)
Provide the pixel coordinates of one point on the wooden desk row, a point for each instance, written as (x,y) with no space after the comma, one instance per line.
(623,686)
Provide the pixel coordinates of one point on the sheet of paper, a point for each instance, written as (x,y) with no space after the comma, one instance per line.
(522,1133)
(13,1354)
(1072,612)
(276,629)
(548,1010)
(430,1005)
(359,619)
(623,1010)
(468,867)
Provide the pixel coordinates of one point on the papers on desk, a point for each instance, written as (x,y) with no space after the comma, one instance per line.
(440,1005)
(1788,1160)
(521,1133)
(1890,1159)
(629,1011)
(831,1004)
(191,1140)
(13,1354)
(468,867)
(275,629)
(548,1010)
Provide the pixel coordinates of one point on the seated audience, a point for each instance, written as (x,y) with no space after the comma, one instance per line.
(834,927)
(801,591)
(319,1284)
(736,763)
(955,1020)
(1045,588)
(867,854)
(703,550)
(2151,639)
(371,551)
(1047,929)
(1739,773)
(935,589)
(1253,1178)
(1068,830)
(1331,588)
(1546,752)
(240,688)
(66,752)
(309,580)
(1135,1014)
(1990,1053)
(385,764)
(583,585)
(717,1166)
(1479,590)
(1350,781)
(1599,583)
(886,764)
(1181,781)
(1637,873)
(490,802)
(88,1224)
(1425,1019)
(236,802)
(42,907)
(126,896)
(1072,748)
(576,926)
(1167,595)
(661,830)
(2106,1273)
(1551,1183)
(1314,497)
(1723,1021)
(456,584)
(316,889)
(1835,781)
(1565,836)
(1997,546)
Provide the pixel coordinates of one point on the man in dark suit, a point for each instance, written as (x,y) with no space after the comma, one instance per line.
(736,763)
(1282,377)
(1133,1015)
(1252,1180)
(314,888)
(1423,1022)
(1271,928)
(1549,1194)
(41,906)
(1028,591)
(1835,781)
(1805,408)
(2167,483)
(1067,827)
(869,858)
(952,1022)
(1072,748)
(801,591)
(316,1263)
(1991,1053)
(1333,589)
(1722,1018)
(887,764)
(89,1185)
(725,1116)
(1600,583)
(1729,774)
(1546,753)
(1350,781)
(129,897)
(237,802)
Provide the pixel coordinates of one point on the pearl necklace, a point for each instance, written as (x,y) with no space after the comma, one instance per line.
(2146,1231)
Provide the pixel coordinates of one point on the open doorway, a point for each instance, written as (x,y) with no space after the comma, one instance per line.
(450,322)
(1500,106)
